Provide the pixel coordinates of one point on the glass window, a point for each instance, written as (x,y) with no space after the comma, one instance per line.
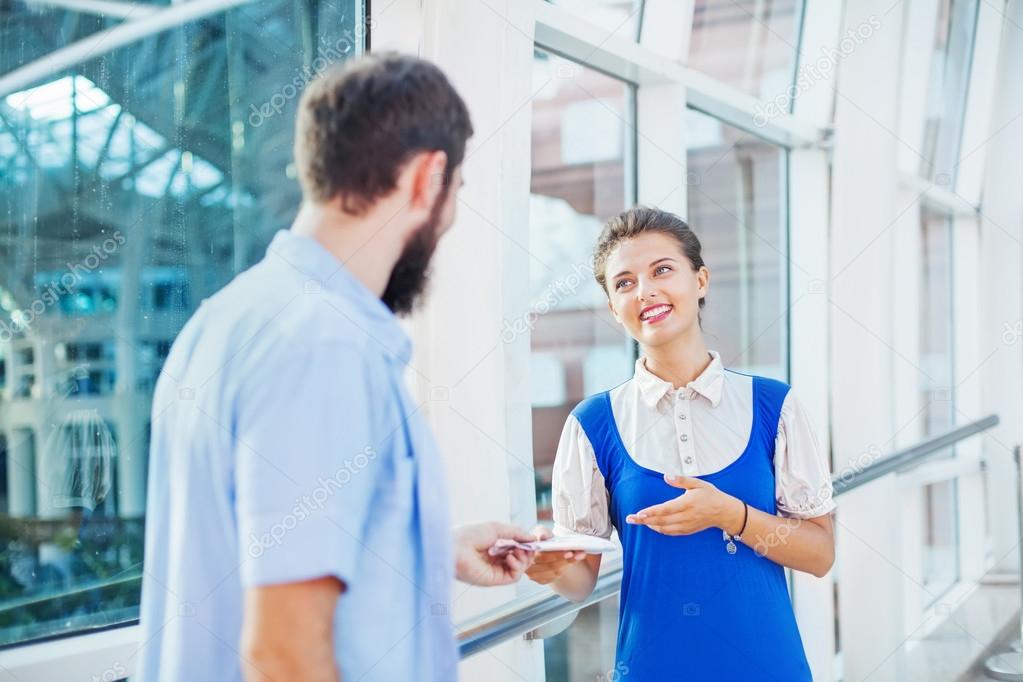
(738,207)
(947,88)
(748,44)
(581,176)
(586,649)
(937,396)
(619,17)
(32,30)
(134,185)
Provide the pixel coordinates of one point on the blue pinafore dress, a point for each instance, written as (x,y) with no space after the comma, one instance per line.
(689,610)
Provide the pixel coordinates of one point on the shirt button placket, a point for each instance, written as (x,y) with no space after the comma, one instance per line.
(683,428)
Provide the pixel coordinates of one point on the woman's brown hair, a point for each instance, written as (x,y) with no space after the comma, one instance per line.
(637,221)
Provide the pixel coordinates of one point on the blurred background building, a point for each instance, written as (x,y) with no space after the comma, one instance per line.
(852,170)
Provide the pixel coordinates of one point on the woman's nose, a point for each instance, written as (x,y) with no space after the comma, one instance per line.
(645,291)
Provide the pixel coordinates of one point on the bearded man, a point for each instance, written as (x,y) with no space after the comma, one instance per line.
(297,525)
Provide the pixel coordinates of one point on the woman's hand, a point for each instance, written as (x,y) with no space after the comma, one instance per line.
(702,506)
(548,566)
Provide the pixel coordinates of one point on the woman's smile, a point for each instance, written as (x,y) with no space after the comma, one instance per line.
(652,314)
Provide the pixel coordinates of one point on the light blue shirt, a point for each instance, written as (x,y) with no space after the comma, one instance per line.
(285,447)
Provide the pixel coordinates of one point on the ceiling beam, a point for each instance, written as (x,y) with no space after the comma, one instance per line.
(111,39)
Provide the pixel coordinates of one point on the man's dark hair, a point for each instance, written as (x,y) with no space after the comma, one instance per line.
(358,123)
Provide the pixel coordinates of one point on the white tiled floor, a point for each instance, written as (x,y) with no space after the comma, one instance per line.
(984,623)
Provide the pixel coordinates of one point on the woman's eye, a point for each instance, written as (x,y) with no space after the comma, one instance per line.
(620,283)
(659,268)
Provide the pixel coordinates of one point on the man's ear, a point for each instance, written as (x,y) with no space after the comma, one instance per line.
(428,178)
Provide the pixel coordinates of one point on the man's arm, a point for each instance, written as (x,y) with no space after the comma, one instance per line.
(294,557)
(288,631)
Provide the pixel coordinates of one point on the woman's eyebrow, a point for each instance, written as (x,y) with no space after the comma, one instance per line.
(626,272)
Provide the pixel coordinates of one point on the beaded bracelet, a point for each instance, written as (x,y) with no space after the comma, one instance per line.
(729,539)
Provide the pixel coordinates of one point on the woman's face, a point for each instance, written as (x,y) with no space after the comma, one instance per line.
(653,290)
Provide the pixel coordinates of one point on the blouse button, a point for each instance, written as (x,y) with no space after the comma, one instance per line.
(682,417)
(689,460)
(683,438)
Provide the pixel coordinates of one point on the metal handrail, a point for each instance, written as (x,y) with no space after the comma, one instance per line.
(528,613)
(912,456)
(524,615)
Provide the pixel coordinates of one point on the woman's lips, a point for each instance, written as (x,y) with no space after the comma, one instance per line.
(654,319)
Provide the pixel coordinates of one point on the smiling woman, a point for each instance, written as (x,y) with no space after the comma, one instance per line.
(645,235)
(755,488)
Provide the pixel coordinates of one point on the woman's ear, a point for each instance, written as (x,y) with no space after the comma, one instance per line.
(614,312)
(703,280)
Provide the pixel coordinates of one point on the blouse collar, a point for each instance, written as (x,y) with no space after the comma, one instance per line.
(709,384)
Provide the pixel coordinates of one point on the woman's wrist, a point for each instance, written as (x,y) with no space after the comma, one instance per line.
(731,517)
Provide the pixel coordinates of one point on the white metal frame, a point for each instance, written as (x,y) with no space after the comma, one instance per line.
(102,42)
(106,655)
(901,542)
(574,37)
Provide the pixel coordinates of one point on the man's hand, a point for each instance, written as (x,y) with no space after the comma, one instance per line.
(548,566)
(472,563)
(702,506)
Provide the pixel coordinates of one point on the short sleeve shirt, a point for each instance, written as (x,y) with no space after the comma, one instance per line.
(285,447)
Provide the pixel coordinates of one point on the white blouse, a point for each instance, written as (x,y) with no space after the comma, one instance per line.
(708,424)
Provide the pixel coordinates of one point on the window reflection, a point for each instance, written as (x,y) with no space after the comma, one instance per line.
(947,88)
(738,207)
(748,44)
(619,17)
(134,185)
(580,177)
(586,649)
(937,396)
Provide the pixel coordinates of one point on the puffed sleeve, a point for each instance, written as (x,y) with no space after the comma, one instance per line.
(579,496)
(802,475)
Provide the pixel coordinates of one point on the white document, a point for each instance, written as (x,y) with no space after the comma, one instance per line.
(560,543)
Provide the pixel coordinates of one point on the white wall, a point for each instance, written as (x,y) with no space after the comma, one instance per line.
(474,386)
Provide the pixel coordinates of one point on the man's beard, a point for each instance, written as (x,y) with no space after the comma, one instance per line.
(412,271)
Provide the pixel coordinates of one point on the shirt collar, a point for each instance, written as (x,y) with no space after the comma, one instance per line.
(709,384)
(324,272)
